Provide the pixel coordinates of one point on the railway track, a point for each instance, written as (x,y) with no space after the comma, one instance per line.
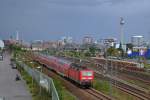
(97,94)
(90,93)
(133,92)
(127,88)
(138,75)
(79,93)
(135,78)
(142,95)
(124,87)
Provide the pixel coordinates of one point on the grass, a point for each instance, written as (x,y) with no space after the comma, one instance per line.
(100,85)
(138,83)
(67,95)
(63,93)
(105,87)
(119,95)
(147,66)
(33,86)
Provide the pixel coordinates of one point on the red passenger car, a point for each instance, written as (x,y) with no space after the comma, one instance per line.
(70,70)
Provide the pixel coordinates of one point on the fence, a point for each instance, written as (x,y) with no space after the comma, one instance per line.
(43,80)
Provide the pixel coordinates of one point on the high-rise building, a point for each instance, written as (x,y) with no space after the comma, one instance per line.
(37,45)
(149,45)
(67,40)
(1,44)
(17,35)
(87,40)
(137,41)
(108,41)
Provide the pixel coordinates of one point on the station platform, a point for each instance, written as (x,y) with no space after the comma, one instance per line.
(10,89)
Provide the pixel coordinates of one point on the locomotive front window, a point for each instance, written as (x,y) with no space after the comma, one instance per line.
(87,74)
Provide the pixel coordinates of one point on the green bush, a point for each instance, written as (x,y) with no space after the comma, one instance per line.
(101,85)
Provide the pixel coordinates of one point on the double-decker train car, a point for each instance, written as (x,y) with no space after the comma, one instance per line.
(75,72)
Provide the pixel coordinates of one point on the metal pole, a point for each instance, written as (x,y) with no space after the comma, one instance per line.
(110,78)
(40,85)
(32,82)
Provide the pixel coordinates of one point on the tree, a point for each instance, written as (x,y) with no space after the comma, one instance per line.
(87,54)
(110,51)
(120,46)
(113,51)
(130,45)
(121,52)
(92,50)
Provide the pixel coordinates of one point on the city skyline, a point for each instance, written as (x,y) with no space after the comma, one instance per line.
(52,19)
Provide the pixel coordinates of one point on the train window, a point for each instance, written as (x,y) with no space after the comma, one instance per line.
(86,73)
(61,63)
(76,68)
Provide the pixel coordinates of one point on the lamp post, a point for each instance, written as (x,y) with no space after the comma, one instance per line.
(23,58)
(16,58)
(31,62)
(19,68)
(32,77)
(39,67)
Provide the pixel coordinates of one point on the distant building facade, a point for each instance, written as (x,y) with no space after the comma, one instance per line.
(9,42)
(87,40)
(1,44)
(67,39)
(137,41)
(37,45)
(43,45)
(108,42)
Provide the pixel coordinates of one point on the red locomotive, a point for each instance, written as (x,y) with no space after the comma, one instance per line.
(77,73)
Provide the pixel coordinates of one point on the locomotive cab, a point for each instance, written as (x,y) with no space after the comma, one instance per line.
(86,78)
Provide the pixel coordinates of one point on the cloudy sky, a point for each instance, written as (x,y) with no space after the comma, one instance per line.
(52,19)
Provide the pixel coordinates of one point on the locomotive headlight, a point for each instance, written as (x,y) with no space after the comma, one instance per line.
(83,78)
(90,78)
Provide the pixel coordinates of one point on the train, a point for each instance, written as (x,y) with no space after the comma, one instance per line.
(75,72)
(119,64)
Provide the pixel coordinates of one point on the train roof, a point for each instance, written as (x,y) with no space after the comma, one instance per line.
(51,57)
(64,61)
(61,60)
(123,61)
(78,66)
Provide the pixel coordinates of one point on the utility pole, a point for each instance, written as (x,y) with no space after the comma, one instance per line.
(111,74)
